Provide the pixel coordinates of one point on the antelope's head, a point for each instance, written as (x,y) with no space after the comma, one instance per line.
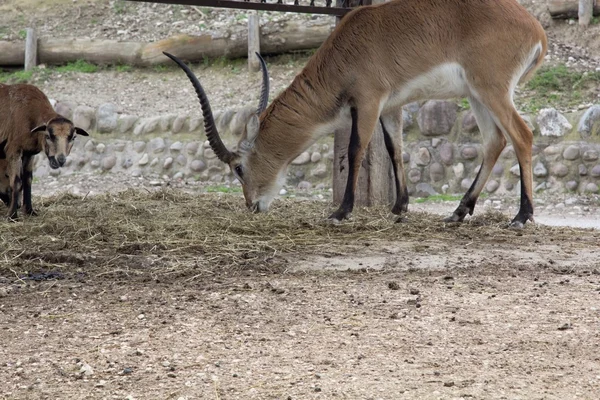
(260,172)
(59,134)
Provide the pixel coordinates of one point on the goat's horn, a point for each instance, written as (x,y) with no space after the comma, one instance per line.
(209,122)
(264,93)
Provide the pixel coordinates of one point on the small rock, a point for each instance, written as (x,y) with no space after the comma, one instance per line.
(89,145)
(283,192)
(168,162)
(469,152)
(591,188)
(144,160)
(197,165)
(552,123)
(414,175)
(302,159)
(304,185)
(315,157)
(393,285)
(572,185)
(423,156)
(540,170)
(109,162)
(139,146)
(177,146)
(492,186)
(459,170)
(595,171)
(571,153)
(86,370)
(447,153)
(559,170)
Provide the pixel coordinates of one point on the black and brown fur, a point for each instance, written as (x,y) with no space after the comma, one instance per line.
(28,126)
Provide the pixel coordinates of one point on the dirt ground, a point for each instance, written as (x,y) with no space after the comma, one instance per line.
(230,305)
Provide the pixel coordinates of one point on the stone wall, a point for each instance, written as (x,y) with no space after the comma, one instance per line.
(442,151)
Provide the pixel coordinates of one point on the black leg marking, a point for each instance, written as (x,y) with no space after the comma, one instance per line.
(14,201)
(27,179)
(401,203)
(347,205)
(525,210)
(467,203)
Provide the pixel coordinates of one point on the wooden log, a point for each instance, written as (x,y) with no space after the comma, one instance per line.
(586,9)
(61,51)
(253,41)
(31,48)
(12,54)
(275,39)
(563,9)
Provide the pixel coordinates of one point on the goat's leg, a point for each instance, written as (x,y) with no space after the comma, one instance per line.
(391,124)
(27,179)
(364,120)
(14,175)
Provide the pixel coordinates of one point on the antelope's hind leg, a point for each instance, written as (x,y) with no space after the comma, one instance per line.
(493,144)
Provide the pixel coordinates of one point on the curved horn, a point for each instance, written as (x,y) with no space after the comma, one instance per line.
(209,122)
(264,93)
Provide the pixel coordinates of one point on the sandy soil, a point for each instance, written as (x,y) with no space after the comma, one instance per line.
(453,313)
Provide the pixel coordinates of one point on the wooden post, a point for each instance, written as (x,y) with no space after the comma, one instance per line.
(253,41)
(562,9)
(376,185)
(31,49)
(586,9)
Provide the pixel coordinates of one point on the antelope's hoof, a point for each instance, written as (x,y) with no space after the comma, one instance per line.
(453,219)
(516,225)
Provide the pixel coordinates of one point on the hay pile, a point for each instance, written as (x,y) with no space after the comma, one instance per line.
(171,233)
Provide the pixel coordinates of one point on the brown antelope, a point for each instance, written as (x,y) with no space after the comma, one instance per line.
(376,60)
(29,125)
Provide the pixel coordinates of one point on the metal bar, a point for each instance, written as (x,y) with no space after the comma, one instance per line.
(250,5)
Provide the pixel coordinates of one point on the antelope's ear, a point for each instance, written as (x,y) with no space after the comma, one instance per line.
(252,128)
(40,128)
(3,150)
(81,132)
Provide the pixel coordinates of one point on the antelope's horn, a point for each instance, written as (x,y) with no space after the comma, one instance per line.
(264,93)
(209,122)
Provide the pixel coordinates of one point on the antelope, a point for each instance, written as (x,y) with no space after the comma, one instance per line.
(378,59)
(29,125)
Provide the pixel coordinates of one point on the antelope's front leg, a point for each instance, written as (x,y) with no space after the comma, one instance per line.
(27,179)
(14,176)
(364,120)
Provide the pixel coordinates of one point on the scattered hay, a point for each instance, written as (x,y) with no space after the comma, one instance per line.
(169,233)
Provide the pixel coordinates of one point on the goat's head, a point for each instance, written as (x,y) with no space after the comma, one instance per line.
(59,134)
(260,175)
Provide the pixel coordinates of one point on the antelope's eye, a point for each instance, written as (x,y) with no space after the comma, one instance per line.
(238,170)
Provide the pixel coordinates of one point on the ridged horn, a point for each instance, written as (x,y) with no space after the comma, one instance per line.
(209,122)
(264,93)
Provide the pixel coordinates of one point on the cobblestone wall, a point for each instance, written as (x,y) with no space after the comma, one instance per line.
(442,152)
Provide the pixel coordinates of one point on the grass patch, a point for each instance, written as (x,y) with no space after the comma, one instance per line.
(223,189)
(438,198)
(560,86)
(16,77)
(77,66)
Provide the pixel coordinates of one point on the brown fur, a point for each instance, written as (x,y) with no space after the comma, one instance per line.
(374,53)
(29,125)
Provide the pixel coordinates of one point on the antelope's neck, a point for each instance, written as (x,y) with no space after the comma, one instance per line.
(301,114)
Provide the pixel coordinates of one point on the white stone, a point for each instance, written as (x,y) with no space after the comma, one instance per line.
(144,160)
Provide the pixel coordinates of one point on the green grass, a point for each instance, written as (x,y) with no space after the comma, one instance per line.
(15,77)
(556,86)
(22,34)
(223,189)
(77,66)
(445,197)
(123,68)
(438,198)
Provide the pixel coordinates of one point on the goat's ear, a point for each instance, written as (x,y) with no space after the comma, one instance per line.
(2,149)
(252,128)
(81,132)
(39,128)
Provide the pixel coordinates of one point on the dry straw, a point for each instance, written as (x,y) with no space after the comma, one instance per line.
(169,233)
